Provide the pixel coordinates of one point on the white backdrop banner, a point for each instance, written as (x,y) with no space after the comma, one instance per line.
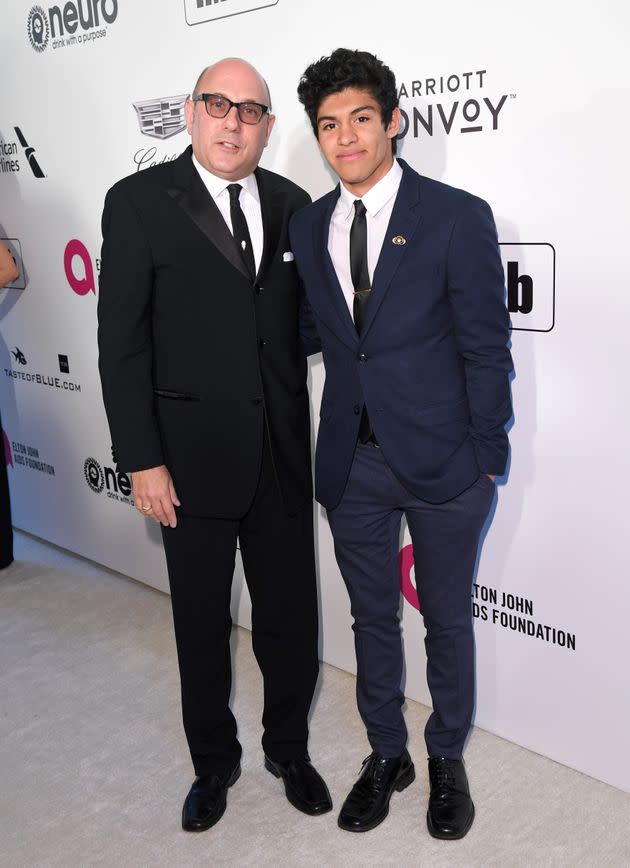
(524,108)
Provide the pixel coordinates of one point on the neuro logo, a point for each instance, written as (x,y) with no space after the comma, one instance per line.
(38,28)
(407,583)
(19,356)
(161,118)
(7,449)
(116,483)
(198,11)
(61,23)
(29,153)
(80,275)
(94,475)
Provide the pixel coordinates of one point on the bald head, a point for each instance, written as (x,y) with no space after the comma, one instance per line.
(229,69)
(227,146)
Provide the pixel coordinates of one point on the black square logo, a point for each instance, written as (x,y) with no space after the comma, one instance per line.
(64,366)
(530,274)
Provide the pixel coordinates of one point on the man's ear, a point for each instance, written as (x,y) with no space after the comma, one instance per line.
(189,109)
(393,127)
(270,122)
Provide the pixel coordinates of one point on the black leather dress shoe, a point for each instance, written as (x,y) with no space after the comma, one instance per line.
(304,786)
(205,803)
(451,810)
(367,804)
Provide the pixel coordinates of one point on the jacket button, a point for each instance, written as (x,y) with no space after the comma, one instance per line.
(259,289)
(261,343)
(356,409)
(362,357)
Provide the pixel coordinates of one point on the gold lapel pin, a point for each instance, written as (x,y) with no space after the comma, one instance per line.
(399,240)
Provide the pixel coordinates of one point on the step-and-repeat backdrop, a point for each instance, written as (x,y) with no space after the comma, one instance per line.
(522,106)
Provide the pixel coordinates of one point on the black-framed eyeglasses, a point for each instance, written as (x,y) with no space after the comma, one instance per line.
(218,106)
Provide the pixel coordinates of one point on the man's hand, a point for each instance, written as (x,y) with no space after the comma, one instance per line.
(154,495)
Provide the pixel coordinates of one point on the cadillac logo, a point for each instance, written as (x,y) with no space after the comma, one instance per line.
(161,118)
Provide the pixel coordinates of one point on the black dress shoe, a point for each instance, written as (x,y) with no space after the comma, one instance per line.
(304,786)
(205,803)
(367,804)
(451,810)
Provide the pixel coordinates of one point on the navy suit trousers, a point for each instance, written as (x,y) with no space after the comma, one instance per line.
(445,536)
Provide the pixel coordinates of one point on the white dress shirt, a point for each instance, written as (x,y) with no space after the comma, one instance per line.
(379,204)
(249,199)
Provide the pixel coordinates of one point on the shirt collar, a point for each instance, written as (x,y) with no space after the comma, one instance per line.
(376,197)
(217,185)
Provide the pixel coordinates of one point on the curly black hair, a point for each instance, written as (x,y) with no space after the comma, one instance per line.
(346,68)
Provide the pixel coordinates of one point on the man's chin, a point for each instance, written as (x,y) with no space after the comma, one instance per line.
(351,179)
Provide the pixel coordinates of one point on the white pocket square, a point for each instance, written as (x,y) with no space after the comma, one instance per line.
(288,256)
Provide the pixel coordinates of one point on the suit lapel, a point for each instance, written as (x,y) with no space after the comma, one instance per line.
(402,224)
(333,290)
(272,212)
(193,198)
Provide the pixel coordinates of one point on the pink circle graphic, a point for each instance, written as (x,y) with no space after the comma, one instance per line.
(7,449)
(406,562)
(81,283)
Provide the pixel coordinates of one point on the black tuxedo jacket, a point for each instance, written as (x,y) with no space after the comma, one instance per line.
(195,359)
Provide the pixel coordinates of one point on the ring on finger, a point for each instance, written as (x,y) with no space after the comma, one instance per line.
(147,508)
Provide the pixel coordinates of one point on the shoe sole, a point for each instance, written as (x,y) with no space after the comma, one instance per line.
(401,784)
(205,826)
(436,834)
(311,812)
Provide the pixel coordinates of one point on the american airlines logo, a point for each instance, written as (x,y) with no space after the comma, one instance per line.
(162,118)
(9,154)
(199,11)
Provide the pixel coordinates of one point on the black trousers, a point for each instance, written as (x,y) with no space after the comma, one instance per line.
(6,531)
(279,564)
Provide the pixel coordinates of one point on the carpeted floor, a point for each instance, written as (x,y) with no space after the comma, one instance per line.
(94,765)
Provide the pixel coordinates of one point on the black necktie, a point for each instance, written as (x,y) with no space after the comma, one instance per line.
(240,230)
(362,289)
(359,264)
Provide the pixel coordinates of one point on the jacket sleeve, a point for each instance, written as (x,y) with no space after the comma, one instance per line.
(308,330)
(125,335)
(477,295)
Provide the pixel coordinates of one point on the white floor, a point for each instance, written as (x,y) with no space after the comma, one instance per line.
(94,765)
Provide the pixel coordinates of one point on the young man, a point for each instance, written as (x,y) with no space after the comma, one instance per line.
(404,277)
(204,382)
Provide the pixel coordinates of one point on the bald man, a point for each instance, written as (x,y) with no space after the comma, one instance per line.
(203,337)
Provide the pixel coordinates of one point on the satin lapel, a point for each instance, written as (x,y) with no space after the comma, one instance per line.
(271,207)
(193,198)
(332,293)
(403,223)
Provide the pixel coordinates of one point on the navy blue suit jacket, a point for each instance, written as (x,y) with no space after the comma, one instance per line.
(432,363)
